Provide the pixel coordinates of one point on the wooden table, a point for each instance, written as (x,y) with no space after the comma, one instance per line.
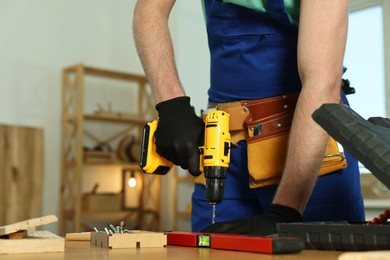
(83,250)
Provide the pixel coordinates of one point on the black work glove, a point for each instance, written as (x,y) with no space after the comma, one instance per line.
(261,225)
(179,133)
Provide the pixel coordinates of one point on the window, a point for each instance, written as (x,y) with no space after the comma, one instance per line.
(364,60)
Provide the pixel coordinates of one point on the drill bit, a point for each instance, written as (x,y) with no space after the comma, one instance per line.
(213,213)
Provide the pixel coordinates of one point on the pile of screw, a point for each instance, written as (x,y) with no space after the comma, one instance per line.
(110,229)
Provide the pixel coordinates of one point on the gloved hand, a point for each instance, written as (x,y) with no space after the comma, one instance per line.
(179,133)
(261,225)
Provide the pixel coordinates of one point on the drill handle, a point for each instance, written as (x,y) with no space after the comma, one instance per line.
(150,161)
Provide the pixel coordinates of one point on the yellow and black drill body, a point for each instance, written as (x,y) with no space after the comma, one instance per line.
(214,154)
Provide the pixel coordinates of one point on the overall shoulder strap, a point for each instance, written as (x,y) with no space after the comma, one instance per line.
(275,6)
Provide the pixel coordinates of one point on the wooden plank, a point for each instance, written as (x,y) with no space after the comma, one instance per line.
(20,234)
(38,242)
(106,73)
(114,74)
(72,68)
(83,236)
(27,224)
(17,235)
(65,148)
(137,239)
(21,173)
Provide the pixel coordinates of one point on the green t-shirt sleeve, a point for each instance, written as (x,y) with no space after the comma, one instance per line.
(259,5)
(292,8)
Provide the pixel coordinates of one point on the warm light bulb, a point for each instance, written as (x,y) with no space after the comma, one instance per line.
(132,182)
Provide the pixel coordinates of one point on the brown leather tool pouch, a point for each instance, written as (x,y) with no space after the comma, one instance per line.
(268,126)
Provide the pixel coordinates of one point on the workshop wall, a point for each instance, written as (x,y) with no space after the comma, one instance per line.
(40,37)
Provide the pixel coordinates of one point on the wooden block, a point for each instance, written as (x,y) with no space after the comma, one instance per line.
(27,224)
(137,239)
(83,236)
(38,242)
(17,235)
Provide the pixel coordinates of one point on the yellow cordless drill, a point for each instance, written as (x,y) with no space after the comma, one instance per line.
(214,155)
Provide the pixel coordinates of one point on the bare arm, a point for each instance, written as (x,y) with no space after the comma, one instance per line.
(321,47)
(154,46)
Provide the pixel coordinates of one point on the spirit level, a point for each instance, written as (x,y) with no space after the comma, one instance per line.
(269,245)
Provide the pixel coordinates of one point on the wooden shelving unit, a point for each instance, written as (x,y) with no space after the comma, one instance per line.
(73,152)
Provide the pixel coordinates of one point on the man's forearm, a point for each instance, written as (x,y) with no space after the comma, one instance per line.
(321,47)
(154,46)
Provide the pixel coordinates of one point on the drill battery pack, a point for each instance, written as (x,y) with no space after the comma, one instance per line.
(150,161)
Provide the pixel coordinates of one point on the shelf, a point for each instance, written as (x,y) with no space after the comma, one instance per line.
(77,134)
(107,73)
(117,118)
(113,117)
(105,216)
(129,166)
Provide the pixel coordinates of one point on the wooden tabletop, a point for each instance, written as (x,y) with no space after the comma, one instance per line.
(83,250)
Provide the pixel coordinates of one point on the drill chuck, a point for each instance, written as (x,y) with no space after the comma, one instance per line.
(215,183)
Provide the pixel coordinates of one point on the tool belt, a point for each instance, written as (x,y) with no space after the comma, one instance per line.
(265,124)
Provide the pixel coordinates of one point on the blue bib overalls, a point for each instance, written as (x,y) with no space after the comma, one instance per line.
(254,55)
